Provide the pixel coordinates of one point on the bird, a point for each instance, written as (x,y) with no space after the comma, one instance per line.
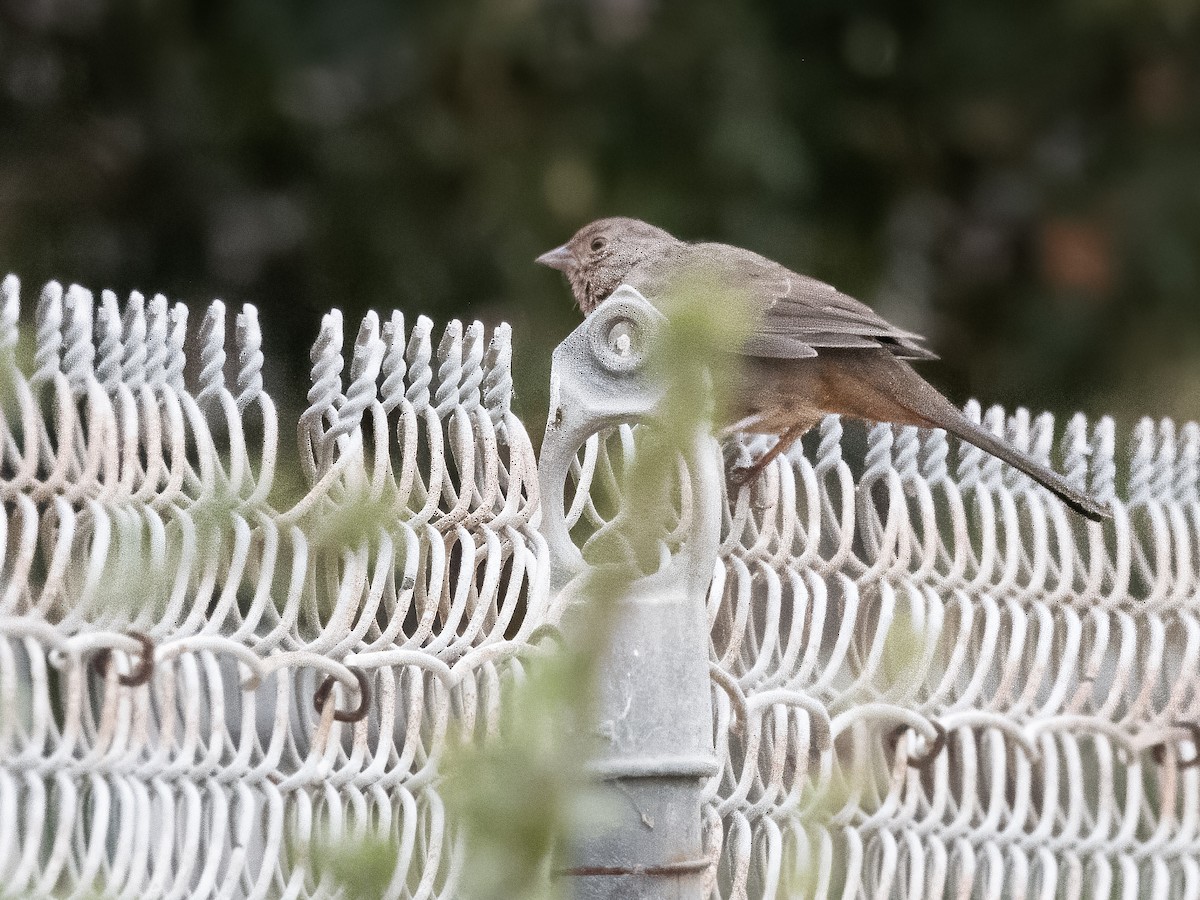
(812,351)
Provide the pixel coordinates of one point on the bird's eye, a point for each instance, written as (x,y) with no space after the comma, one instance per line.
(598,243)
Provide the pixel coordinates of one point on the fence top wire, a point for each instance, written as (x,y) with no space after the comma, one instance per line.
(925,670)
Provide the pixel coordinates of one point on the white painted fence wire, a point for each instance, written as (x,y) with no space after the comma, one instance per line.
(1011,694)
(929,678)
(183,666)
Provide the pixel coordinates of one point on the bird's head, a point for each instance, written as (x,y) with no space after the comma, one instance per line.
(600,256)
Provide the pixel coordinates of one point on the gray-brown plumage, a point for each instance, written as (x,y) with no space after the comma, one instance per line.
(813,350)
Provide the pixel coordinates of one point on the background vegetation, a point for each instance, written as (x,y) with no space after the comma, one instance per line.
(1018,179)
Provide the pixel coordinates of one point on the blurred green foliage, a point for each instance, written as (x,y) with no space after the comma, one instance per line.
(361,867)
(1018,179)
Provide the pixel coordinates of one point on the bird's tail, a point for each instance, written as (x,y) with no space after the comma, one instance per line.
(888,390)
(1084,504)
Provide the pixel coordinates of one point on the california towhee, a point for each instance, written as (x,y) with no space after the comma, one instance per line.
(813,350)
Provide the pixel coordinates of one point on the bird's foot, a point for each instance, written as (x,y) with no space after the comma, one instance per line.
(738,476)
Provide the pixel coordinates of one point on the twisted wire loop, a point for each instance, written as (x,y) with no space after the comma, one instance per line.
(931,679)
(205,673)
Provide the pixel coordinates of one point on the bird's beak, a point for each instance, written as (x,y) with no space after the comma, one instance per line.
(560,258)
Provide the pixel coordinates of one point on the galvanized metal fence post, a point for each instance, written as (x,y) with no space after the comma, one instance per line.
(654,707)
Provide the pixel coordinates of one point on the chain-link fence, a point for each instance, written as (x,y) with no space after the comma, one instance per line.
(925,676)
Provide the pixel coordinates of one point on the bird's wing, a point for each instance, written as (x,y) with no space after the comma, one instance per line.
(800,315)
(818,314)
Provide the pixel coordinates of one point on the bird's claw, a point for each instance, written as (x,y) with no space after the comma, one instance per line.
(738,476)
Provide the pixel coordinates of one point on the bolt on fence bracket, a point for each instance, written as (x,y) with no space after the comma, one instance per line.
(654,706)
